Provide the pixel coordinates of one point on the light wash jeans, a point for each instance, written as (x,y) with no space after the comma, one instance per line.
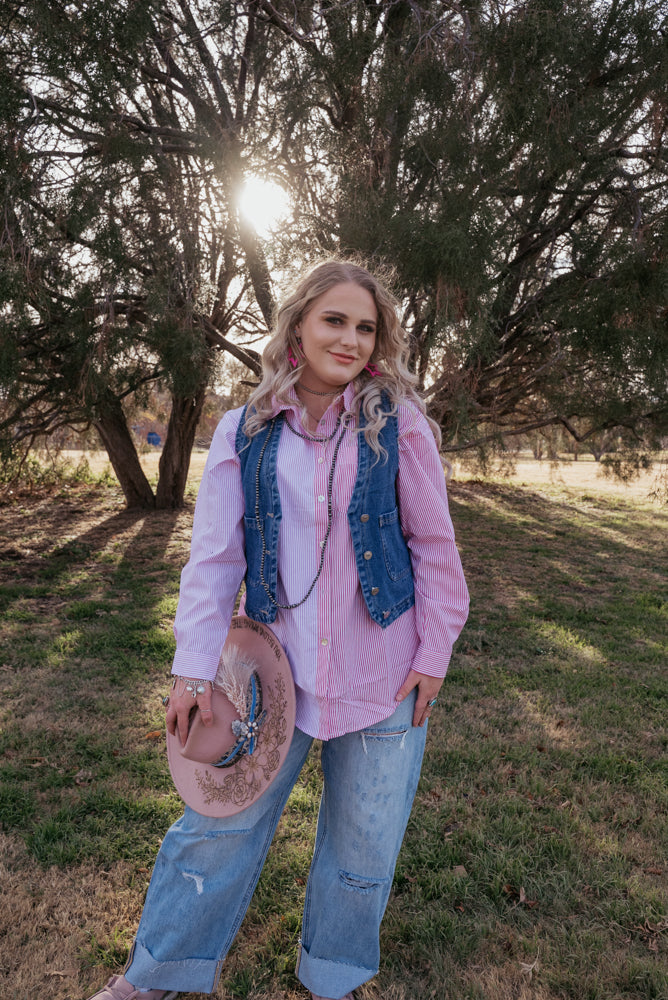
(207,869)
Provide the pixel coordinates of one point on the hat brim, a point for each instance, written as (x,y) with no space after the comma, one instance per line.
(219,792)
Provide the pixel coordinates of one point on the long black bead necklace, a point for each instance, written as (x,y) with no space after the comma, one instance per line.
(330,512)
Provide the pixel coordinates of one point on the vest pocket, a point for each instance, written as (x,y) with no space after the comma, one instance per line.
(395,551)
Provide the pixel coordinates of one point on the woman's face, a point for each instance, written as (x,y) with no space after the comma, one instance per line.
(338,335)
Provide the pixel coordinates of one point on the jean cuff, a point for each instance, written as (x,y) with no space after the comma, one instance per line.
(189,975)
(327,978)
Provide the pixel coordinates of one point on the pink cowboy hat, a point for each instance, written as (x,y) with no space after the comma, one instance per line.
(224,768)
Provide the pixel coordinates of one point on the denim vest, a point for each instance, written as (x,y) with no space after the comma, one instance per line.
(381,554)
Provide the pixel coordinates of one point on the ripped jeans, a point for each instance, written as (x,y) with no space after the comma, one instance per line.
(207,869)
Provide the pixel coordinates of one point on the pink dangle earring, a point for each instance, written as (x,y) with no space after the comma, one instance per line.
(372,370)
(291,358)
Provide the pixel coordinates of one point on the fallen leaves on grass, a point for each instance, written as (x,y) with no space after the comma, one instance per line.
(519,898)
(650,933)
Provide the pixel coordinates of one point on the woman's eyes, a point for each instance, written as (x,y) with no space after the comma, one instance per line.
(337,320)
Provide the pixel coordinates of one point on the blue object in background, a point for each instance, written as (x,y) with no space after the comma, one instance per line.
(153,438)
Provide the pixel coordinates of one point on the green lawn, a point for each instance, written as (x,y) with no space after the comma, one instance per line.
(535,863)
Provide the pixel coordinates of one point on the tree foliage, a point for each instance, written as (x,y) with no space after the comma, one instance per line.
(508,160)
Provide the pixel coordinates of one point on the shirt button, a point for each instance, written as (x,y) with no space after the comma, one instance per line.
(364,517)
(368,555)
(374,591)
(324,642)
(320,460)
(321,499)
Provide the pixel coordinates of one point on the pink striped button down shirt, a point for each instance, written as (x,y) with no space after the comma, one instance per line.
(347,668)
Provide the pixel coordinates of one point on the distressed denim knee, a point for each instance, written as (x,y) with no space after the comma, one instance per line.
(360,883)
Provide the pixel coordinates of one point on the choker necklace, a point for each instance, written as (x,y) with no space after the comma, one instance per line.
(315,392)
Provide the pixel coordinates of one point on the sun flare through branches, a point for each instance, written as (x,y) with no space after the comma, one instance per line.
(264,204)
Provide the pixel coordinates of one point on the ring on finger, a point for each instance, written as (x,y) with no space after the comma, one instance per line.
(431,703)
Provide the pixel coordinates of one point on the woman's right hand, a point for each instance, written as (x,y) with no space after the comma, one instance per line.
(181,704)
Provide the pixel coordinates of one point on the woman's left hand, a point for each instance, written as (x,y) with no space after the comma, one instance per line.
(428,688)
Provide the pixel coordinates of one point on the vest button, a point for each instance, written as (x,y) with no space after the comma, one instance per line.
(386,614)
(374,591)
(364,518)
(368,555)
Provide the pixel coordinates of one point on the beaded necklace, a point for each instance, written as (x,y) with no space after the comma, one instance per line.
(310,437)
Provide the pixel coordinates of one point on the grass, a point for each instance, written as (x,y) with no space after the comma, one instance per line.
(535,859)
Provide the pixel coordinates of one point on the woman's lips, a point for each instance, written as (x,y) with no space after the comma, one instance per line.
(345,359)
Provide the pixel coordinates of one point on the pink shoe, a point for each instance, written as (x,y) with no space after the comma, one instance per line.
(118,988)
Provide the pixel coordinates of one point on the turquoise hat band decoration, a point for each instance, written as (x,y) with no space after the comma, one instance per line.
(247,729)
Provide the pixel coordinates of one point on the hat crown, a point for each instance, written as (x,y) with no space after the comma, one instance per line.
(236,692)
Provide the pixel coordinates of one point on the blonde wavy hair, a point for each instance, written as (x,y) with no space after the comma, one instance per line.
(389,354)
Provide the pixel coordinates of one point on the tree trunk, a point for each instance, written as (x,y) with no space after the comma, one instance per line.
(175,458)
(112,427)
(258,270)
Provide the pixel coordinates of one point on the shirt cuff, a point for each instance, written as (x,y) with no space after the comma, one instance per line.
(199,666)
(432,662)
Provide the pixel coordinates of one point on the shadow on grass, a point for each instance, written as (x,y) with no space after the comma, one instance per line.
(538,829)
(86,640)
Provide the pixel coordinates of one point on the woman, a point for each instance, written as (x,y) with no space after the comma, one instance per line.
(355,569)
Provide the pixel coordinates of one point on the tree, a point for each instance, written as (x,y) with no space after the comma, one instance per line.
(508,159)
(126,260)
